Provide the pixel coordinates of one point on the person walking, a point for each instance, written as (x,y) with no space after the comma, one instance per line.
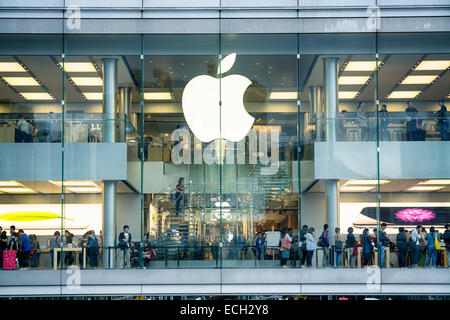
(338,246)
(446,238)
(311,246)
(402,247)
(366,247)
(350,246)
(179,194)
(433,244)
(324,242)
(124,246)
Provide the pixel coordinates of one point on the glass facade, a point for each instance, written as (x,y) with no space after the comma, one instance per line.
(211,148)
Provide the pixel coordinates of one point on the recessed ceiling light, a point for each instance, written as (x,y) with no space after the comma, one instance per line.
(21,81)
(11,67)
(17,190)
(437,181)
(362,182)
(88,81)
(426,188)
(93,95)
(36,95)
(356,188)
(345,80)
(78,67)
(74,183)
(10,184)
(403,94)
(347,94)
(84,189)
(283,95)
(433,65)
(419,79)
(361,66)
(157,96)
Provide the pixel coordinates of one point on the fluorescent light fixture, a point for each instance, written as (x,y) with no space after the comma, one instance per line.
(36,95)
(433,65)
(352,80)
(157,96)
(10,184)
(21,81)
(88,81)
(78,67)
(74,183)
(437,181)
(357,188)
(426,188)
(403,94)
(363,182)
(84,189)
(93,95)
(347,94)
(11,67)
(283,95)
(361,66)
(419,79)
(17,190)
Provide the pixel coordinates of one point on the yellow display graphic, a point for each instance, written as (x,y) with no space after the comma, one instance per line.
(30,216)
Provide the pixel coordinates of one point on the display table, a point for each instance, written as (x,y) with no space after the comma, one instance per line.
(74,250)
(7,134)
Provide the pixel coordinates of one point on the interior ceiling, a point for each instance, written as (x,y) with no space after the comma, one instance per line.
(267,73)
(391,187)
(45,187)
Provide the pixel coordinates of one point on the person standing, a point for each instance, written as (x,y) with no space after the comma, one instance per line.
(311,246)
(25,248)
(124,246)
(442,120)
(366,247)
(259,246)
(338,246)
(402,247)
(179,194)
(92,249)
(324,241)
(3,244)
(35,251)
(382,245)
(349,246)
(415,247)
(68,241)
(411,122)
(303,250)
(431,239)
(446,238)
(55,242)
(385,119)
(362,119)
(285,248)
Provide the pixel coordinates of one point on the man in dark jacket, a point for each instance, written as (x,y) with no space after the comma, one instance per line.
(381,245)
(402,247)
(446,238)
(124,245)
(304,252)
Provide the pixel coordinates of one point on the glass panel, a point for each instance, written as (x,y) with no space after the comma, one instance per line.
(30,178)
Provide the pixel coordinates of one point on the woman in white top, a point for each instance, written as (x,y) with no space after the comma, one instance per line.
(311,246)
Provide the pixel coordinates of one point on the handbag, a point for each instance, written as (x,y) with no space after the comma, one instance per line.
(436,243)
(355,250)
(285,244)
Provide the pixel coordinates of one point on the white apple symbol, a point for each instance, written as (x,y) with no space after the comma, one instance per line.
(201,108)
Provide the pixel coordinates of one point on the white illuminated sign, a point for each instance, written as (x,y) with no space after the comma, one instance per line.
(225,213)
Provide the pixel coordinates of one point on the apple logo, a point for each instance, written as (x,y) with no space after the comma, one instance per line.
(201,108)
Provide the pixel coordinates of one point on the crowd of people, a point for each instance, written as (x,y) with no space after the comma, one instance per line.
(26,130)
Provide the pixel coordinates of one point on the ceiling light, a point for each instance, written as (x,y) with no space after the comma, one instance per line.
(344,80)
(403,94)
(157,96)
(36,95)
(361,66)
(21,81)
(433,65)
(434,182)
(17,190)
(88,81)
(93,95)
(73,183)
(10,184)
(356,189)
(347,94)
(84,189)
(425,188)
(283,95)
(362,182)
(419,79)
(11,67)
(78,67)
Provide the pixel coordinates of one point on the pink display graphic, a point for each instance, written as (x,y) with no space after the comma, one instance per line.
(415,215)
